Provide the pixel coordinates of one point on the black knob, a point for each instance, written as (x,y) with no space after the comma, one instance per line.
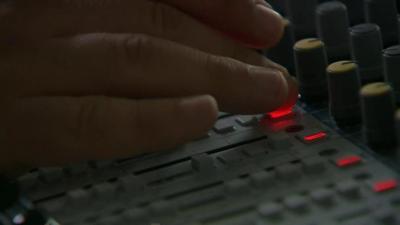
(384,14)
(356,12)
(391,65)
(282,53)
(333,29)
(344,87)
(302,15)
(366,51)
(311,62)
(378,108)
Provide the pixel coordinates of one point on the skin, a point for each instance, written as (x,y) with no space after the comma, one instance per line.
(100,79)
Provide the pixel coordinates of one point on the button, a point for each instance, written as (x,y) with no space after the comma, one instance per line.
(385,216)
(378,101)
(322,196)
(130,183)
(104,191)
(237,186)
(288,172)
(384,185)
(312,136)
(247,121)
(369,60)
(347,161)
(162,208)
(203,163)
(282,113)
(279,143)
(349,189)
(313,165)
(311,62)
(224,127)
(270,210)
(231,157)
(296,203)
(28,181)
(334,35)
(344,99)
(135,215)
(262,179)
(51,175)
(78,198)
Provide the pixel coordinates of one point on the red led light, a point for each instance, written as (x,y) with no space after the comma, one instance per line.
(348,161)
(386,185)
(280,113)
(315,137)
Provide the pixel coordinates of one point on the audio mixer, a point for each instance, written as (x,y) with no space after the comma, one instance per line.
(332,159)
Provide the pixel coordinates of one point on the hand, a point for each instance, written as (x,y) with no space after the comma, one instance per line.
(87,79)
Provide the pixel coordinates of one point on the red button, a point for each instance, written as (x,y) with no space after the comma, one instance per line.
(348,161)
(315,137)
(280,113)
(386,185)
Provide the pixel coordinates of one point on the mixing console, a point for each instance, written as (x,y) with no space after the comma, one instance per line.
(333,159)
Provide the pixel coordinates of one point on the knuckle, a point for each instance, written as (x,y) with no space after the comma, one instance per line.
(137,47)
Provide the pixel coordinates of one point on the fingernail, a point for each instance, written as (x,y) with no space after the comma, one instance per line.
(274,83)
(201,110)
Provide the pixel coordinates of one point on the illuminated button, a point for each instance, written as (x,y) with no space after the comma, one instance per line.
(378,110)
(347,161)
(280,114)
(312,136)
(369,59)
(224,127)
(383,186)
(311,62)
(247,121)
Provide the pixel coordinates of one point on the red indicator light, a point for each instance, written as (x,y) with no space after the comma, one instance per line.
(348,161)
(386,185)
(280,113)
(315,137)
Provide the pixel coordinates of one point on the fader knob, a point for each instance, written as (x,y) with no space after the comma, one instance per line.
(391,65)
(397,118)
(311,62)
(356,13)
(344,86)
(384,14)
(332,29)
(302,15)
(282,53)
(366,50)
(378,108)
